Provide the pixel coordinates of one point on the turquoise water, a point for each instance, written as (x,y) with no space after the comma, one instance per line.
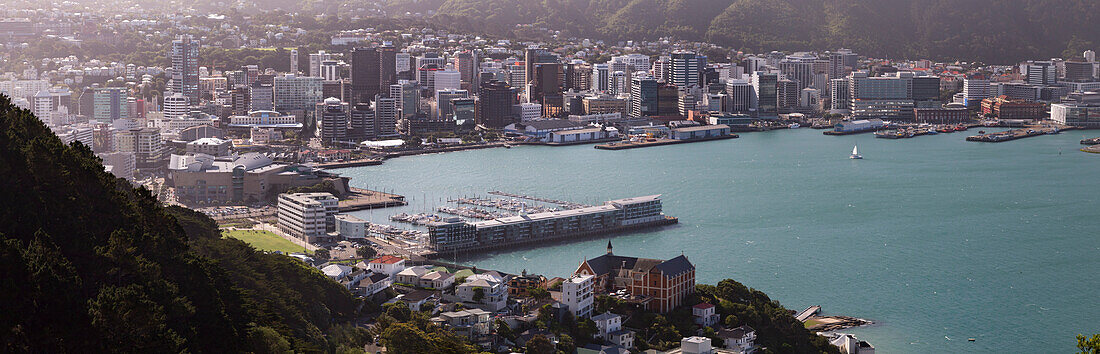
(934,238)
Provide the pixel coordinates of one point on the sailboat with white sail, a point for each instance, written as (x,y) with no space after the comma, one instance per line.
(855,153)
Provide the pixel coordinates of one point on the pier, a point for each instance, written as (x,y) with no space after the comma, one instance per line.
(568,205)
(1012,135)
(809,311)
(658,142)
(362,199)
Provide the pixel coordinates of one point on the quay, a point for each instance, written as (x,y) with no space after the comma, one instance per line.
(362,199)
(1012,135)
(352,163)
(568,143)
(565,236)
(658,142)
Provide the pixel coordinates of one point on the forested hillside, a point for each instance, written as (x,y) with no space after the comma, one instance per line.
(1001,31)
(91,264)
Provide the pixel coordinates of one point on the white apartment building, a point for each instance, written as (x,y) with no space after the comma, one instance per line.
(351,227)
(577,295)
(305,215)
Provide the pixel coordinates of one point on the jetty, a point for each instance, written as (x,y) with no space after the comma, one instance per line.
(568,205)
(809,311)
(1012,134)
(362,199)
(623,145)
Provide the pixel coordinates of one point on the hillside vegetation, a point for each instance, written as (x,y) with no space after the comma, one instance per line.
(91,264)
(1001,31)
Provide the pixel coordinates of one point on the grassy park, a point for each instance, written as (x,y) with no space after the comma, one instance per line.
(265,241)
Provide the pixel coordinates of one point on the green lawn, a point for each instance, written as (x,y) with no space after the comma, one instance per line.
(810,323)
(265,240)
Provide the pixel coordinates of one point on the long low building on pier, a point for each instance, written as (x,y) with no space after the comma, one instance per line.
(454,234)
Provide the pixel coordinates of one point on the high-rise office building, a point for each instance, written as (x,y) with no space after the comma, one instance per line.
(365,75)
(798,69)
(294,61)
(644,97)
(385,117)
(330,70)
(495,104)
(362,123)
(175,105)
(407,97)
(464,110)
(787,94)
(601,76)
(840,93)
(387,61)
(466,64)
(315,60)
(885,97)
(578,76)
(534,56)
(291,92)
(739,94)
(975,90)
(261,97)
(332,121)
(686,69)
(1039,72)
(443,102)
(765,94)
(110,104)
(1079,71)
(185,67)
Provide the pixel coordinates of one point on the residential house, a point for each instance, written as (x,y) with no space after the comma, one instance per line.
(416,299)
(373,284)
(704,315)
(610,328)
(741,339)
(411,275)
(494,293)
(388,265)
(471,323)
(521,285)
(437,280)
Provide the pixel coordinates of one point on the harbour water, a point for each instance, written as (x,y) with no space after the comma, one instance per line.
(934,238)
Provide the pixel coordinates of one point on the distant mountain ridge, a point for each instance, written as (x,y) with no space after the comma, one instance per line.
(1001,31)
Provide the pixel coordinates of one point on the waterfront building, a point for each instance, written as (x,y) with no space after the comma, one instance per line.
(699,132)
(306,215)
(861,125)
(454,235)
(739,97)
(185,67)
(1005,108)
(765,94)
(1081,115)
(883,97)
(658,285)
(582,135)
(251,177)
(948,114)
(644,97)
(578,295)
(385,118)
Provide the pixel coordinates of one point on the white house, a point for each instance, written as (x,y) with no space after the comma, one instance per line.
(741,339)
(471,322)
(388,265)
(373,284)
(704,315)
(610,328)
(494,293)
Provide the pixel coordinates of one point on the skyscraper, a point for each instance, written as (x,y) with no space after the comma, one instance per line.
(332,121)
(686,68)
(534,56)
(495,104)
(185,67)
(294,61)
(766,94)
(365,74)
(110,104)
(1039,72)
(387,61)
(643,97)
(385,117)
(466,64)
(362,123)
(315,60)
(739,94)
